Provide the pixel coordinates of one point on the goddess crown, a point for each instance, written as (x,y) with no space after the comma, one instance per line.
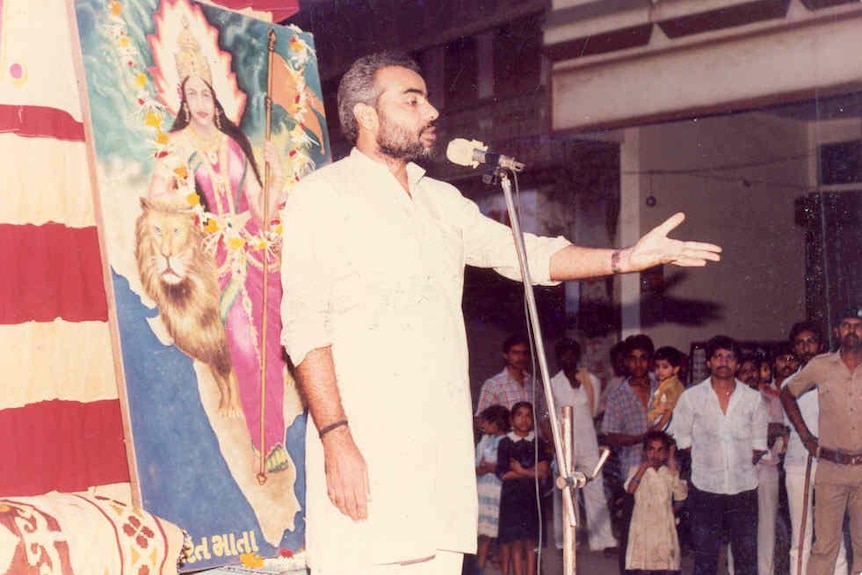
(190,59)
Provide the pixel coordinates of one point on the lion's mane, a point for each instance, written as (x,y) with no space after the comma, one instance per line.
(181,278)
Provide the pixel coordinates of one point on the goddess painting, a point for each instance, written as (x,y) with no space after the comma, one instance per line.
(202,121)
(208,163)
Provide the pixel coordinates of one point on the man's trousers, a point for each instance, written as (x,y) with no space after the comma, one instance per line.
(794,482)
(714,514)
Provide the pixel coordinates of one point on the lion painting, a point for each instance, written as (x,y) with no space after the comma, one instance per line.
(180,277)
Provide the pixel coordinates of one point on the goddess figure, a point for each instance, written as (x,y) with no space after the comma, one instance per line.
(208,162)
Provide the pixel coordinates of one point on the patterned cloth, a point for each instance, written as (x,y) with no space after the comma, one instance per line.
(627,415)
(488,486)
(66,534)
(503,389)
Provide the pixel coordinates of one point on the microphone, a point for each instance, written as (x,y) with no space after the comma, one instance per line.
(471,153)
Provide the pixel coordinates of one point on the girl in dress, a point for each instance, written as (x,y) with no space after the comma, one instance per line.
(494,423)
(653,546)
(522,461)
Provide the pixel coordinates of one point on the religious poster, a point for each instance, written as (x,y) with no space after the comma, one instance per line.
(201,120)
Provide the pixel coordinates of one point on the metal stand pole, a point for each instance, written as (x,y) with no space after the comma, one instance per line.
(569,480)
(563,462)
(570,523)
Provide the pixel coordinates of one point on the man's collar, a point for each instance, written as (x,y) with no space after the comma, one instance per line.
(652,380)
(509,373)
(415,172)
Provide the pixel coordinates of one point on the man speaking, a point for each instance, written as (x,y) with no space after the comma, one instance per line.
(373,271)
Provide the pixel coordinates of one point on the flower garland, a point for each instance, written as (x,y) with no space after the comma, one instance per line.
(296,163)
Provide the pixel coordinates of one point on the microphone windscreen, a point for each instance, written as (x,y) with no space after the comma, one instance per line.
(460,151)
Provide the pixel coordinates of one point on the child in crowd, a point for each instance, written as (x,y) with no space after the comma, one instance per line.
(522,461)
(494,423)
(653,546)
(667,363)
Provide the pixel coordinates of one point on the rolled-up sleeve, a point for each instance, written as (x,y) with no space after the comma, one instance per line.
(306,270)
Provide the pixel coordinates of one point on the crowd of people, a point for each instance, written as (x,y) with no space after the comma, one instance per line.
(705,463)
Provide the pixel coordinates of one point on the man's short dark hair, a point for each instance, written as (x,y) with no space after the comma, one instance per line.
(514,340)
(657,435)
(850,312)
(783,348)
(806,325)
(670,354)
(568,344)
(722,342)
(359,86)
(640,341)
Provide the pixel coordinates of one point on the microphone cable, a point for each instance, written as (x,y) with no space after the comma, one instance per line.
(537,394)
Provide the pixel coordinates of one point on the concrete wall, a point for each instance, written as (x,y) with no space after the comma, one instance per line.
(736,177)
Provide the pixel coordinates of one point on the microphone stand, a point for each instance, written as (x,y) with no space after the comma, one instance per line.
(568,480)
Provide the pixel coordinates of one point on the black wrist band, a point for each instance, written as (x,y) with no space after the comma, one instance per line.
(331,427)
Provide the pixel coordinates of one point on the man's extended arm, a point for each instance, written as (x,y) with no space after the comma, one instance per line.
(654,248)
(791,408)
(346,471)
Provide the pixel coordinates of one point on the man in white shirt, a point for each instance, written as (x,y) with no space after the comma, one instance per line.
(373,263)
(784,364)
(579,389)
(723,422)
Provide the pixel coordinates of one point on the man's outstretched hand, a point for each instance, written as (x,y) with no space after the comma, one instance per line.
(655,248)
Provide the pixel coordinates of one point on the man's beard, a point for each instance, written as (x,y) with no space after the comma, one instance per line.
(851,341)
(397,143)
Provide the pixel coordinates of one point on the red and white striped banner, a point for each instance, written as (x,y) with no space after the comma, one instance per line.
(60,421)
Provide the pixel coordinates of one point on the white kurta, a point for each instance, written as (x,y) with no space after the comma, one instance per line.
(586,456)
(378,275)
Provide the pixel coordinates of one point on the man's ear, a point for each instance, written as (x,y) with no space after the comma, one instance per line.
(366,116)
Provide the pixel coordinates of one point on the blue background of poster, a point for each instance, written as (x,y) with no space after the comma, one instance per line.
(182,474)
